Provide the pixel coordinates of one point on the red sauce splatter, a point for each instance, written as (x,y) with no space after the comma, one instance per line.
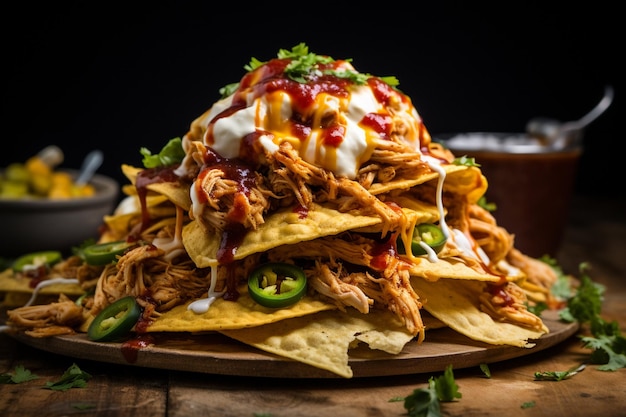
(131,347)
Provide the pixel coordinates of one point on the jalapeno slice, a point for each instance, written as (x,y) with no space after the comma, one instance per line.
(277,285)
(428,233)
(105,253)
(115,321)
(35,259)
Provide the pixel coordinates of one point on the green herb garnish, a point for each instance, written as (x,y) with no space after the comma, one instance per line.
(20,375)
(489,206)
(172,153)
(73,377)
(606,341)
(558,375)
(425,402)
(465,161)
(305,65)
(485,368)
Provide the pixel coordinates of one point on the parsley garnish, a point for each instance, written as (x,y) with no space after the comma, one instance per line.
(425,402)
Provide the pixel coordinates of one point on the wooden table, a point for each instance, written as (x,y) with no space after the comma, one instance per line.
(596,233)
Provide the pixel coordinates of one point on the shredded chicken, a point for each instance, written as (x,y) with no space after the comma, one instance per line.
(508,304)
(52,319)
(493,239)
(143,272)
(160,274)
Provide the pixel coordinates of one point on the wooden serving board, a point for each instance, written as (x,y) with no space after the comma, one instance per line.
(214,353)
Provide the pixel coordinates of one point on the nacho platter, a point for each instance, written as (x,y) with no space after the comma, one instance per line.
(214,353)
(313,183)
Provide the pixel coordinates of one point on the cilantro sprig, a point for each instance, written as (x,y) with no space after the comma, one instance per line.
(304,65)
(73,377)
(607,343)
(558,375)
(425,402)
(19,375)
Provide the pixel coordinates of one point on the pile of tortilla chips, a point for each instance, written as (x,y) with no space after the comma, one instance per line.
(470,286)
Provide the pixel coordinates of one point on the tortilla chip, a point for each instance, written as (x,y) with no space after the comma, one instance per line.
(405,184)
(323,340)
(281,228)
(449,268)
(456,303)
(128,213)
(176,192)
(14,283)
(222,315)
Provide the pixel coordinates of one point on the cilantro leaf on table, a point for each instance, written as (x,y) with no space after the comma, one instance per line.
(606,341)
(425,402)
(73,377)
(20,375)
(558,375)
(485,368)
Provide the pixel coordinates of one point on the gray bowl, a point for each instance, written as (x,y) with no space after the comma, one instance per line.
(37,225)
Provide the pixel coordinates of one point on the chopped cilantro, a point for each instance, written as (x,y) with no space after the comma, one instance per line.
(528,404)
(73,377)
(425,402)
(485,368)
(482,202)
(537,308)
(558,375)
(172,153)
(465,161)
(83,406)
(20,375)
(305,64)
(228,89)
(562,288)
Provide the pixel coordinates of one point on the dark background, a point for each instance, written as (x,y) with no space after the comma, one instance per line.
(121,78)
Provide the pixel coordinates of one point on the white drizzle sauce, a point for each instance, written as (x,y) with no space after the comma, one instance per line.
(202,305)
(47,283)
(37,289)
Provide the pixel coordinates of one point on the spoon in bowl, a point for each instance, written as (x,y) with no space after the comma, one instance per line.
(91,163)
(557,135)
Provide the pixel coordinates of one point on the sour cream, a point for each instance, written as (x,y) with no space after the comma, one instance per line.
(331,121)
